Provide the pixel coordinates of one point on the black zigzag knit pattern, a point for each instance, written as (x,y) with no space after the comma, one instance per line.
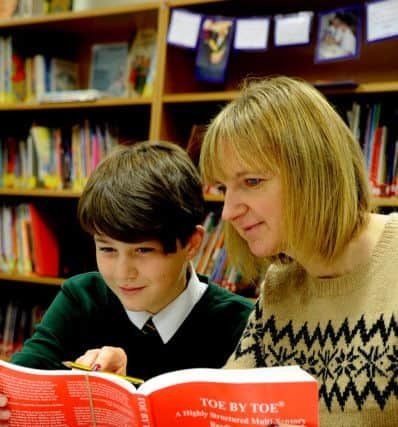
(356,362)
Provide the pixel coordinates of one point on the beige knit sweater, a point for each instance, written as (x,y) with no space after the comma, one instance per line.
(343,331)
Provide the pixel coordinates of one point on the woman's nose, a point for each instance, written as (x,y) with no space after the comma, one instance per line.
(232,208)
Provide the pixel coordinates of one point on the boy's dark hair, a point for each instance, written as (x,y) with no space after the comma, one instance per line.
(149,190)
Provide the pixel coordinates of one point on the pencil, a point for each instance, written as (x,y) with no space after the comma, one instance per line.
(81,367)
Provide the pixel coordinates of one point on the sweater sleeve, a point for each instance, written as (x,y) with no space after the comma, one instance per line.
(57,336)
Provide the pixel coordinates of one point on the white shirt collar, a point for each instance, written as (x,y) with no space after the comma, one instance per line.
(170,318)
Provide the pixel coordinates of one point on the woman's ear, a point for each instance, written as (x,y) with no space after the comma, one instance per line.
(194,242)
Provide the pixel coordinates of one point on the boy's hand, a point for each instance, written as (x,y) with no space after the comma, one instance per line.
(109,359)
(5,414)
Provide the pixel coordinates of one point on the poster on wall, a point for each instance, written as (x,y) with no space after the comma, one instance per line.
(339,33)
(214,47)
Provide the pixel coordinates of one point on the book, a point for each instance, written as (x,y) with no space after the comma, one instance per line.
(196,397)
(82,95)
(108,68)
(195,142)
(64,75)
(142,54)
(46,251)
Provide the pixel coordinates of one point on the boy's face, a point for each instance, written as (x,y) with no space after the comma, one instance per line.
(142,276)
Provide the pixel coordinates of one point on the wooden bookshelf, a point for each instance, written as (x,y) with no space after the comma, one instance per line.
(178,100)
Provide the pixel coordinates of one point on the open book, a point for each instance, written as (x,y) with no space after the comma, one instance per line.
(186,398)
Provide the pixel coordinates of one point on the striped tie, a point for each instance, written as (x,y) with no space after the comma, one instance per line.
(150,329)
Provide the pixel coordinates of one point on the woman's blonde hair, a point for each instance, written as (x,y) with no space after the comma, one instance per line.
(286,126)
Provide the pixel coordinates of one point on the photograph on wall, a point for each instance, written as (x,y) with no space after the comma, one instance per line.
(339,34)
(214,47)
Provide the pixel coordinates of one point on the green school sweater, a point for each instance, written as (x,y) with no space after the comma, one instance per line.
(86,314)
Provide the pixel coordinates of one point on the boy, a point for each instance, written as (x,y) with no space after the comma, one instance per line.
(143,205)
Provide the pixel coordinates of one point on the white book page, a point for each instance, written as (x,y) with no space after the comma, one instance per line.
(382,20)
(240,376)
(251,33)
(184,28)
(293,29)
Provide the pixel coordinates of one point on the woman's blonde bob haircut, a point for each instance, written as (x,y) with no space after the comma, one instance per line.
(287,127)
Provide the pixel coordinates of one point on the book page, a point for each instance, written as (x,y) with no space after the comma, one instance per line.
(221,397)
(116,403)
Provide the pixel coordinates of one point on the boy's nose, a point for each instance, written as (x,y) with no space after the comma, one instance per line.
(126,270)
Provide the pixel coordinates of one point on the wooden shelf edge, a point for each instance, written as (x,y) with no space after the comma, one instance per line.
(214,197)
(200,96)
(375,87)
(81,14)
(32,278)
(385,201)
(114,102)
(176,3)
(39,192)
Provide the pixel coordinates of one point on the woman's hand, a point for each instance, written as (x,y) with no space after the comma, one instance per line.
(109,359)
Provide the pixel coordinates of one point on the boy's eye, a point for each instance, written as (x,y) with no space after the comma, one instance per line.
(106,249)
(144,250)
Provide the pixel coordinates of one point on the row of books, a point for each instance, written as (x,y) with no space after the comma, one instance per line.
(54,158)
(25,78)
(125,69)
(28,244)
(376,128)
(22,8)
(17,321)
(116,70)
(212,260)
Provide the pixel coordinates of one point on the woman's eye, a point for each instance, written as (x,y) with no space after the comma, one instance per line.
(253,182)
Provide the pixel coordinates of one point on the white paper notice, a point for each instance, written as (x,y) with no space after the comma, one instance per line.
(293,29)
(251,34)
(184,28)
(382,20)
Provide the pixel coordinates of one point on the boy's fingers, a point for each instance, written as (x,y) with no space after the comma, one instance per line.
(89,357)
(3,400)
(112,359)
(5,415)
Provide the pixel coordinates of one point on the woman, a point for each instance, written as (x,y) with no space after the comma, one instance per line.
(297,203)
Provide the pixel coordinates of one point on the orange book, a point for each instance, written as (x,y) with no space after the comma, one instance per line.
(186,398)
(46,257)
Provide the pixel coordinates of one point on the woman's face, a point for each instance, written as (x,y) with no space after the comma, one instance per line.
(253,205)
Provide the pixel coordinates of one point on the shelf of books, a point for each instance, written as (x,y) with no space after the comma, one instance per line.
(161,70)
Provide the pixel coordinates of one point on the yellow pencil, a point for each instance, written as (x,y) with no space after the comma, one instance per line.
(81,367)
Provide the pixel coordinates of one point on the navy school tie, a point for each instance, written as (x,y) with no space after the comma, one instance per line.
(150,329)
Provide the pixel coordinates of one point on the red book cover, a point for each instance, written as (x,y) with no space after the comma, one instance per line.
(45,245)
(185,398)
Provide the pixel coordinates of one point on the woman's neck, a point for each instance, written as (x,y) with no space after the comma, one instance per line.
(358,251)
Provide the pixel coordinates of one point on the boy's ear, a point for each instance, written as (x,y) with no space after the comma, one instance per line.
(194,242)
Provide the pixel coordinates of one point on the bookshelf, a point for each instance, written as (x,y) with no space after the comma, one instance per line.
(178,101)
